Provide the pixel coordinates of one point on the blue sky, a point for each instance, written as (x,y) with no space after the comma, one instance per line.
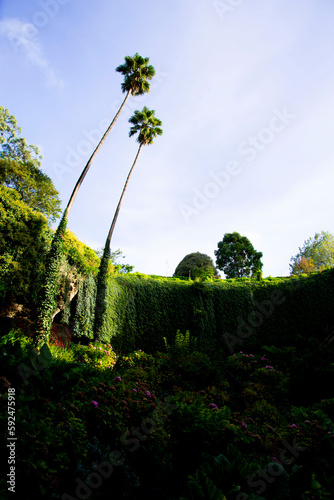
(245,94)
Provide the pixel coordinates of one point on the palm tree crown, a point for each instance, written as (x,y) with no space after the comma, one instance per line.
(136,71)
(146,124)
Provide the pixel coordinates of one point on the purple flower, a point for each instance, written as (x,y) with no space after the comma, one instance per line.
(252,355)
(134,390)
(148,394)
(243,425)
(263,358)
(94,404)
(213,406)
(274,459)
(118,379)
(294,426)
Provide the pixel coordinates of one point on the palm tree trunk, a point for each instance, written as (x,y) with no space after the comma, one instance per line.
(112,227)
(85,170)
(101,292)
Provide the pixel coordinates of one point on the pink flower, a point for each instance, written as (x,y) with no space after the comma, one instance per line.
(118,379)
(294,426)
(213,406)
(94,404)
(148,394)
(243,425)
(134,390)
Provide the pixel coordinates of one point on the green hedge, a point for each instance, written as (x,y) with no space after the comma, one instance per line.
(230,315)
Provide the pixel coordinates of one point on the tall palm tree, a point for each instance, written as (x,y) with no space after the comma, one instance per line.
(148,127)
(136,71)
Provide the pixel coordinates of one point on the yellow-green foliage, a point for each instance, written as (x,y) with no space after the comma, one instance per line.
(24,239)
(79,254)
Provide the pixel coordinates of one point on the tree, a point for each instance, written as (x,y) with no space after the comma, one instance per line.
(20,169)
(196,265)
(236,256)
(12,146)
(136,72)
(316,254)
(147,126)
(33,186)
(24,242)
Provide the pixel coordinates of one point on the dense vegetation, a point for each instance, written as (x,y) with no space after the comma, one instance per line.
(96,423)
(130,386)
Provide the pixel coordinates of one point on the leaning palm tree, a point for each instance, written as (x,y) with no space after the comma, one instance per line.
(136,71)
(148,127)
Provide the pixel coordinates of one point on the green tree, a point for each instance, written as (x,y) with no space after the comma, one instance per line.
(136,72)
(147,126)
(12,145)
(317,252)
(196,265)
(24,243)
(236,256)
(33,186)
(20,169)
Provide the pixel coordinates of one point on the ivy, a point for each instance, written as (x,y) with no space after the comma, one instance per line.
(140,311)
(50,287)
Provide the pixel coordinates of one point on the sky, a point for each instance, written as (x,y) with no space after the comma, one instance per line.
(245,93)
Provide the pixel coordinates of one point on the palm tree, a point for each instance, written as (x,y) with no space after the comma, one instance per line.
(148,127)
(136,72)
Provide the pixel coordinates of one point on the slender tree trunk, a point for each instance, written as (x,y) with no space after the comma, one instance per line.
(47,301)
(101,293)
(85,170)
(112,227)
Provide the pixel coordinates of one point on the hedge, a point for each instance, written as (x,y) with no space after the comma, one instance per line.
(223,314)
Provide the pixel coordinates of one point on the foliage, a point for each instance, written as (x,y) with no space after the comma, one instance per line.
(119,266)
(33,186)
(50,287)
(85,307)
(136,72)
(24,240)
(237,257)
(164,422)
(60,336)
(226,315)
(79,255)
(20,169)
(316,254)
(13,146)
(302,265)
(101,292)
(196,265)
(146,125)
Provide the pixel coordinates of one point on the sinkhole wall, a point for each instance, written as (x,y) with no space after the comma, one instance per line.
(227,314)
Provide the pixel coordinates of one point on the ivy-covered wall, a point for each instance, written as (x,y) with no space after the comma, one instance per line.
(227,314)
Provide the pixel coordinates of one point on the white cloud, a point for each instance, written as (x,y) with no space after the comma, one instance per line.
(24,38)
